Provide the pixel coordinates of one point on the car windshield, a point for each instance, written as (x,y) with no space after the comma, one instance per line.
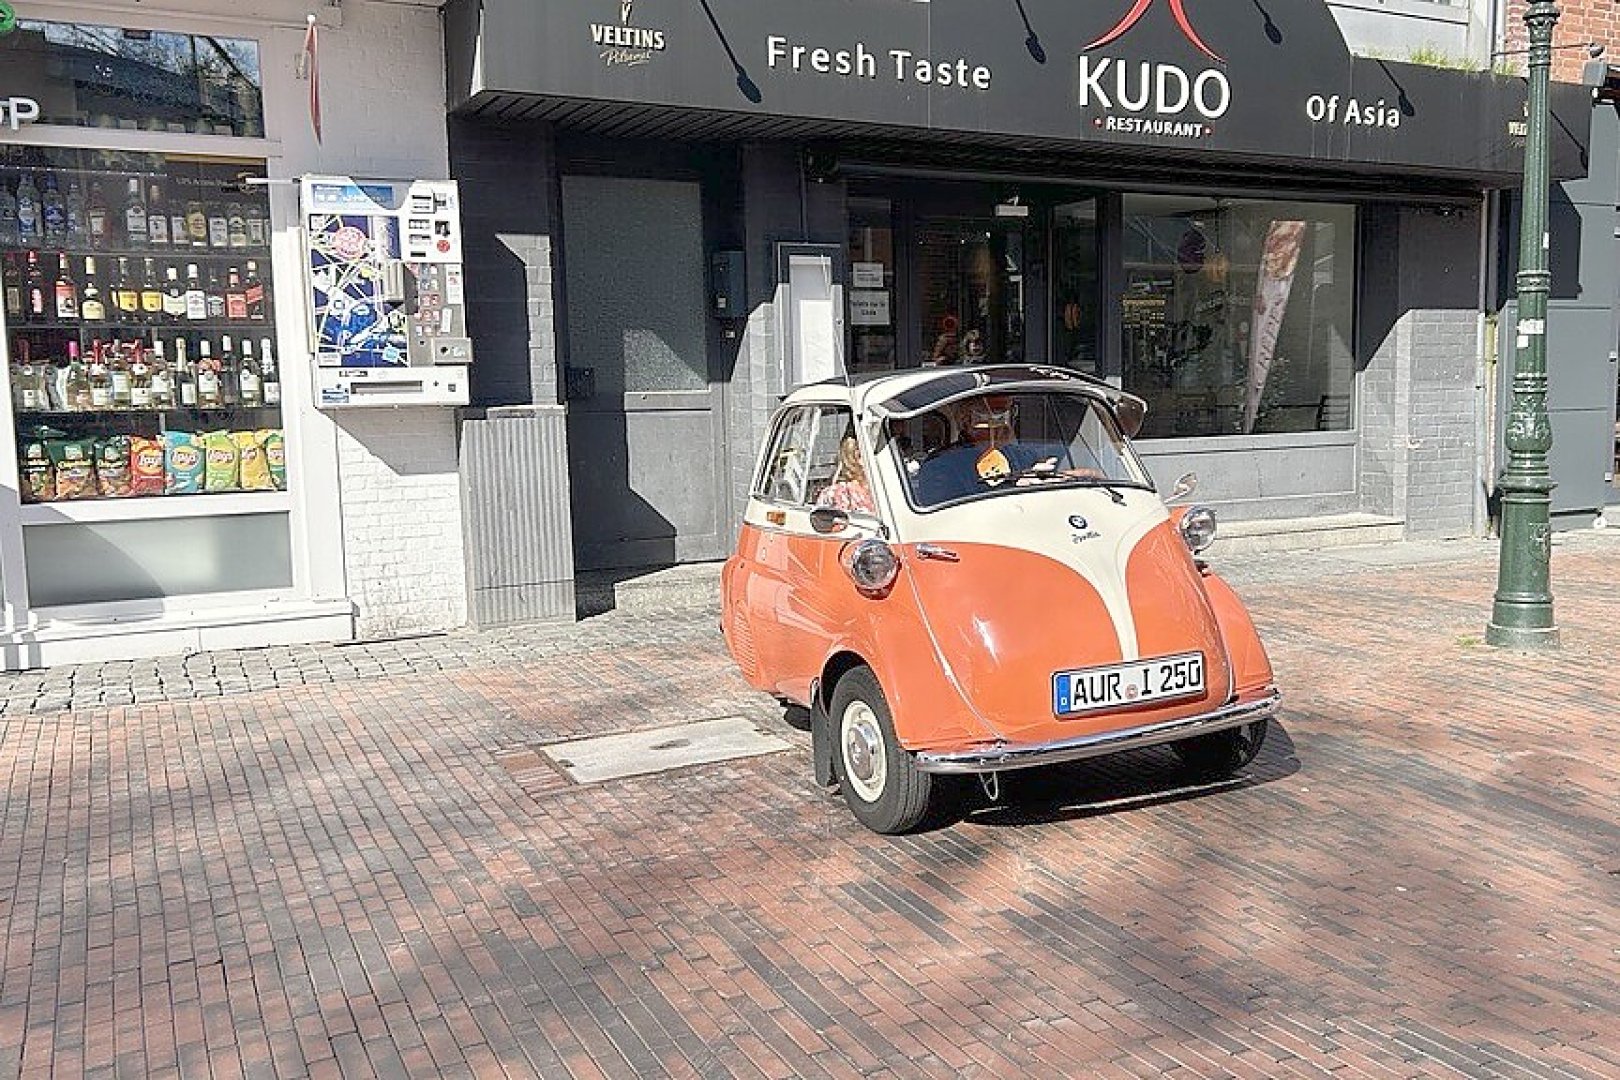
(1002,442)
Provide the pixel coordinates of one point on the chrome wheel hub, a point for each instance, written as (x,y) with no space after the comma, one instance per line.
(861,738)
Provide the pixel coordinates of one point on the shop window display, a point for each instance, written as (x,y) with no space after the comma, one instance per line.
(1237,314)
(139,331)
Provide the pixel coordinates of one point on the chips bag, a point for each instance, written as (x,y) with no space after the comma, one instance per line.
(183,463)
(146,466)
(74,467)
(275,455)
(112,466)
(222,471)
(253,466)
(39,479)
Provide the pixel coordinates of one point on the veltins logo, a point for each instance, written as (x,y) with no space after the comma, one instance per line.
(1148,98)
(623,45)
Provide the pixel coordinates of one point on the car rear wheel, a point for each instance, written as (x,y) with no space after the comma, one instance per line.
(1222,753)
(881,782)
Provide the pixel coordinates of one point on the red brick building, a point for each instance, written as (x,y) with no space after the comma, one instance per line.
(1580,22)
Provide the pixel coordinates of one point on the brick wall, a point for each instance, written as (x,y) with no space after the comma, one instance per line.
(1580,21)
(382,93)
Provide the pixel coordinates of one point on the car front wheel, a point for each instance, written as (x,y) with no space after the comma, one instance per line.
(1222,753)
(881,782)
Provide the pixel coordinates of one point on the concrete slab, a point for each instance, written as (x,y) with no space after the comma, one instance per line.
(637,753)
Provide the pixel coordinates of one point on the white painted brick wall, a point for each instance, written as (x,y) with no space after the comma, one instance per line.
(382,93)
(402,520)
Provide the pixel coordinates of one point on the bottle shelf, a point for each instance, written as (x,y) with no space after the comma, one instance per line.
(168,329)
(173,253)
(123,412)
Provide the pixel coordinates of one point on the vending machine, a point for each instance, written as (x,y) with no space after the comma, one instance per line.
(388,319)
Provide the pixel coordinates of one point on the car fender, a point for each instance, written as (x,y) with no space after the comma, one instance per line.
(1252,675)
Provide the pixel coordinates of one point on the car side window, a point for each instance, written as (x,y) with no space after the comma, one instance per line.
(803,460)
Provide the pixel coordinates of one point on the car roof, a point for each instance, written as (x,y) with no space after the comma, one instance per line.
(908,393)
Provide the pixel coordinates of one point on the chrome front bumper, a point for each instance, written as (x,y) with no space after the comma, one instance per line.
(1003,756)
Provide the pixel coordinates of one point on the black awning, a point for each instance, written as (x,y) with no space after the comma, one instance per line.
(1230,84)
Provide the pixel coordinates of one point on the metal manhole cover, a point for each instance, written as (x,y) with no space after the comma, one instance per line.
(638,753)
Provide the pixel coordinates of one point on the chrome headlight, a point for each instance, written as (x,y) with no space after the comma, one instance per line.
(872,565)
(1198,528)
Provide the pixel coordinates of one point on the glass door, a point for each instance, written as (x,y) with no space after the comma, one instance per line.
(971,289)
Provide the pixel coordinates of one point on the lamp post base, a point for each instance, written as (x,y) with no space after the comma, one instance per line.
(1521,637)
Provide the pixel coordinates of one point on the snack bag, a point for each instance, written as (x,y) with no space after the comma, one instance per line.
(275,455)
(146,466)
(223,462)
(253,465)
(39,479)
(74,466)
(182,463)
(112,467)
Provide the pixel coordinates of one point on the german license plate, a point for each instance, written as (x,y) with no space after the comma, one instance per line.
(1124,685)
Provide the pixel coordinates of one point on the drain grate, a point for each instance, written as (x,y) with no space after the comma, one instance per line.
(638,753)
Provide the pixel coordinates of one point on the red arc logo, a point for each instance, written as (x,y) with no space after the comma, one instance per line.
(1134,16)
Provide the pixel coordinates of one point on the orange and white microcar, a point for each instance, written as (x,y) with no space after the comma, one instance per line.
(969,571)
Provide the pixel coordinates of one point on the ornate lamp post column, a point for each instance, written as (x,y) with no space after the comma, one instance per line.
(1523,613)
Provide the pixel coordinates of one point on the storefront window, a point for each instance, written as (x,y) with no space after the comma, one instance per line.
(1238,313)
(107,77)
(139,340)
(971,277)
(871,286)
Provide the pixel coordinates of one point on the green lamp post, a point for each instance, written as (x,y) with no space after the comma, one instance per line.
(1522,616)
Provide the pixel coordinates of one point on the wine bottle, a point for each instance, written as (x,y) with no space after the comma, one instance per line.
(135,214)
(196,300)
(271,378)
(174,297)
(249,382)
(151,293)
(126,295)
(157,216)
(162,383)
(185,379)
(207,378)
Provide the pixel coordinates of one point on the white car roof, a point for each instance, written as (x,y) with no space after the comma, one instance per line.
(907,393)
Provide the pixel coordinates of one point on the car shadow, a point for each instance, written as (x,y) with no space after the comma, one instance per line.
(1115,784)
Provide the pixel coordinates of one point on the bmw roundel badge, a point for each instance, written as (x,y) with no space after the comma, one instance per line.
(1078,523)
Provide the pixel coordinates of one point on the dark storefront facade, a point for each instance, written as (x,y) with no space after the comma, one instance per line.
(677,212)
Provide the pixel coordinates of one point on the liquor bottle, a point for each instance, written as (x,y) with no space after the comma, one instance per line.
(118,374)
(178,235)
(236,226)
(78,226)
(174,297)
(258,226)
(126,296)
(214,297)
(135,214)
(77,395)
(249,383)
(23,397)
(92,308)
(162,383)
(230,374)
(39,298)
(207,378)
(140,379)
(28,223)
(53,212)
(235,296)
(100,381)
(196,301)
(185,379)
(95,216)
(269,376)
(157,217)
(8,217)
(67,290)
(14,289)
(196,224)
(219,227)
(253,293)
(151,293)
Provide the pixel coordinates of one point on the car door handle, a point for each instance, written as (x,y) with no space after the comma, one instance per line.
(937,553)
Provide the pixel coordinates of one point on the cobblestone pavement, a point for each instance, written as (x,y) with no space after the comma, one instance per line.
(349,862)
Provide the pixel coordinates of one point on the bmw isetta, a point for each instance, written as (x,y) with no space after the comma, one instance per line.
(968,571)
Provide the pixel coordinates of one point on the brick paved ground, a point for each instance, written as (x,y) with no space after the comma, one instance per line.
(365,871)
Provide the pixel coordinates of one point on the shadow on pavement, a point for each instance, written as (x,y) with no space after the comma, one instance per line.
(1130,781)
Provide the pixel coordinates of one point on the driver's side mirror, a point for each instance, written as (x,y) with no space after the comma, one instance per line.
(1185,485)
(1130,413)
(829,519)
